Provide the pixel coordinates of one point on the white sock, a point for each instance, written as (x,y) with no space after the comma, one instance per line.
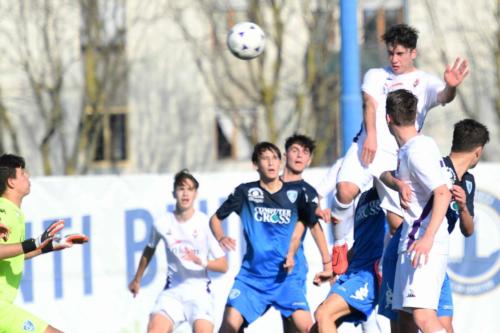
(341,212)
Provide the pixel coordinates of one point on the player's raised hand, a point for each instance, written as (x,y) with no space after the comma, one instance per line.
(45,238)
(454,75)
(134,287)
(227,243)
(4,232)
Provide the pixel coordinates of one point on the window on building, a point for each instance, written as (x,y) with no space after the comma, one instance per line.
(378,16)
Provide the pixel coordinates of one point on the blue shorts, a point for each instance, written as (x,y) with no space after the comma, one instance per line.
(445,306)
(389,262)
(358,289)
(253,298)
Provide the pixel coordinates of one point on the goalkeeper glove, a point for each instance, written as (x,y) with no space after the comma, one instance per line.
(59,243)
(44,239)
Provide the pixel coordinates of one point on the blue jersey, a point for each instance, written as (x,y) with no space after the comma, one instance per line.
(268,223)
(311,196)
(469,186)
(369,231)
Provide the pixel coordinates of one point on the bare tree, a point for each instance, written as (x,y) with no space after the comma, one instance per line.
(288,88)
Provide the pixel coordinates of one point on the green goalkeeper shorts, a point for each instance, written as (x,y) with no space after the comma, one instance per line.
(13,319)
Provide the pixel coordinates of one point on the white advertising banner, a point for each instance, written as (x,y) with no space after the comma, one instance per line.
(84,289)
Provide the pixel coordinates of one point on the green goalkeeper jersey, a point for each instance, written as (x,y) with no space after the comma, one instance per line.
(11,269)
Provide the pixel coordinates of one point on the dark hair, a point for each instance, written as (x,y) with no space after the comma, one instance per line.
(401,34)
(401,106)
(301,140)
(468,135)
(182,176)
(8,165)
(261,147)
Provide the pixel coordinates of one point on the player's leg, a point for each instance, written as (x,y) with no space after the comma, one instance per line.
(405,323)
(203,326)
(302,321)
(333,308)
(427,320)
(15,319)
(445,307)
(352,177)
(160,323)
(232,321)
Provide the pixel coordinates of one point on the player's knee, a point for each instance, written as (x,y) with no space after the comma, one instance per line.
(422,319)
(324,315)
(346,192)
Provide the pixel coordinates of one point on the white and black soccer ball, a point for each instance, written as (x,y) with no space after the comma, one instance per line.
(246,40)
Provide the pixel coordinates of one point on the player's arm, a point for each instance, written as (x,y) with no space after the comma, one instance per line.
(226,242)
(453,76)
(465,217)
(320,240)
(388,178)
(369,120)
(218,265)
(295,240)
(135,284)
(422,246)
(33,246)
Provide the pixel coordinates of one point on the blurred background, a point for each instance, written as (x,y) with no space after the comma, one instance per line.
(117,87)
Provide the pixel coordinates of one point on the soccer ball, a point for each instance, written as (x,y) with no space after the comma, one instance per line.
(246,40)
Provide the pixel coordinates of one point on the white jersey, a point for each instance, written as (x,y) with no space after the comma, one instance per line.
(420,166)
(193,234)
(378,82)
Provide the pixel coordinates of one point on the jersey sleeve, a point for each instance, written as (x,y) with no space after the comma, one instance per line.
(372,82)
(427,166)
(233,203)
(307,206)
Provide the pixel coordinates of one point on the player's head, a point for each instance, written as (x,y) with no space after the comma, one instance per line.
(470,137)
(298,152)
(401,44)
(401,108)
(185,190)
(267,159)
(13,175)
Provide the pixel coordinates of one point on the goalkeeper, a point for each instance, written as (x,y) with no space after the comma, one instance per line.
(14,248)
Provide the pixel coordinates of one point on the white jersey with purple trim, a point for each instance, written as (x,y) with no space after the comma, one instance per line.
(178,237)
(378,82)
(420,166)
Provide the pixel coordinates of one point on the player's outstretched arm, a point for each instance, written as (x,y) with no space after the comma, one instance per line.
(465,218)
(135,284)
(33,246)
(453,76)
(227,243)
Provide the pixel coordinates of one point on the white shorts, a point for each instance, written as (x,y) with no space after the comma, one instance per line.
(418,287)
(181,304)
(353,171)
